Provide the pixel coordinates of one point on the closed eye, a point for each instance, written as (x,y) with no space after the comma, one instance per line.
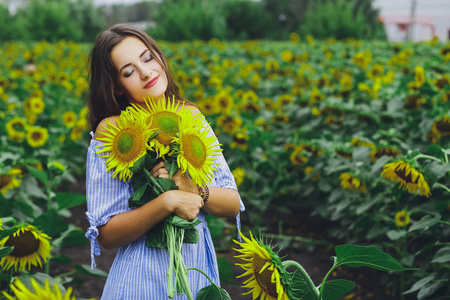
(148,58)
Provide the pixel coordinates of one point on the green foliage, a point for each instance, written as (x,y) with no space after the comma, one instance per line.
(189,20)
(50,20)
(246,19)
(10,27)
(327,18)
(89,18)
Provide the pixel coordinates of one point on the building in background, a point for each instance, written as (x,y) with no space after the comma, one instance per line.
(416,20)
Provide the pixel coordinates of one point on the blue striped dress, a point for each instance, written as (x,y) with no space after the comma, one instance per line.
(139,272)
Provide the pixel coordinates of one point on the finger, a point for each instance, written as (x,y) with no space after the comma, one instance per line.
(157,167)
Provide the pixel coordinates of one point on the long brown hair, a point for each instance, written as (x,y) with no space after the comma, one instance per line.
(103,102)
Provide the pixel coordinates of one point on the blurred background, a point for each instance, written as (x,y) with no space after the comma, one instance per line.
(82,20)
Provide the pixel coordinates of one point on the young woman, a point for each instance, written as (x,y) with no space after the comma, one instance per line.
(126,65)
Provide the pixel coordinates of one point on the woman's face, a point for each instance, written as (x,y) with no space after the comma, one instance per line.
(139,74)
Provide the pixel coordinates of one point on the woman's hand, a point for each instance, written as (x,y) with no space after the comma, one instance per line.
(183,181)
(183,204)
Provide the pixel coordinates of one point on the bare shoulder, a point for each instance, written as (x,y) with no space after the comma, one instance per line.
(194,109)
(104,125)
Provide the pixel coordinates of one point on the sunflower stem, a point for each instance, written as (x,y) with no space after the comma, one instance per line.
(210,280)
(426,156)
(325,279)
(304,274)
(442,186)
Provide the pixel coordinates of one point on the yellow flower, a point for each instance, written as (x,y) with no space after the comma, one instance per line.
(268,278)
(37,105)
(441,127)
(10,180)
(294,37)
(402,218)
(30,247)
(224,102)
(285,99)
(126,142)
(376,71)
(69,118)
(287,56)
(22,292)
(37,136)
(240,141)
(419,78)
(409,178)
(239,175)
(350,182)
(229,124)
(346,82)
(165,116)
(296,157)
(198,152)
(16,129)
(375,154)
(272,65)
(361,143)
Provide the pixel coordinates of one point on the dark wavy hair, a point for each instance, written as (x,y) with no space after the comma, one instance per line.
(103,102)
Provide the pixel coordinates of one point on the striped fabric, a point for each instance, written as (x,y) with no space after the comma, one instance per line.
(139,272)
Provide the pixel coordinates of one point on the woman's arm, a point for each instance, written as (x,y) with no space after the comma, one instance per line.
(129,226)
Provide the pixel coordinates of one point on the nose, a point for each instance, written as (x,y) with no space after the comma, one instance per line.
(145,74)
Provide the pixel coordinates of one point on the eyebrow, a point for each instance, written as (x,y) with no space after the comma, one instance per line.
(126,65)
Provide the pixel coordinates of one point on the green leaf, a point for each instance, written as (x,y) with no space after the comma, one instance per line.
(394,235)
(212,292)
(225,270)
(180,222)
(191,236)
(39,174)
(425,222)
(335,289)
(442,255)
(435,170)
(61,260)
(298,289)
(7,232)
(5,251)
(51,223)
(366,256)
(74,238)
(138,164)
(171,166)
(137,195)
(68,200)
(156,237)
(429,289)
(419,284)
(216,225)
(86,270)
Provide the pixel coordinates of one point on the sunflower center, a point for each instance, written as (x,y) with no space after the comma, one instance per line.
(5,180)
(167,123)
(264,278)
(401,173)
(128,144)
(36,136)
(194,150)
(18,126)
(24,244)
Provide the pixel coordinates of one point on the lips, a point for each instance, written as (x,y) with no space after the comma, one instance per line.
(151,82)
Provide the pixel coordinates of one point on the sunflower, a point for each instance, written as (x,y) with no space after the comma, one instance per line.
(69,118)
(297,158)
(22,292)
(37,136)
(375,154)
(410,179)
(287,55)
(402,218)
(165,116)
(268,276)
(240,141)
(37,105)
(30,247)
(239,175)
(229,124)
(16,129)
(10,180)
(126,142)
(351,182)
(197,152)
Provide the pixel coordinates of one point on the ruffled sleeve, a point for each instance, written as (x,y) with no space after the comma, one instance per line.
(106,196)
(223,178)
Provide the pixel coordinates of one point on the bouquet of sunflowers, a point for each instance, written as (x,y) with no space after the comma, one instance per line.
(142,138)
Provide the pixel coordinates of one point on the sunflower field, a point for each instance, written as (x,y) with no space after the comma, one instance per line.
(357,133)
